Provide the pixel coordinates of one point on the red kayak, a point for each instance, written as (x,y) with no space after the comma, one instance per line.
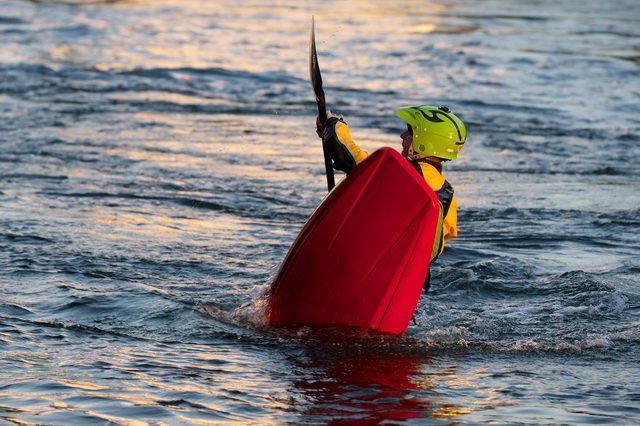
(362,257)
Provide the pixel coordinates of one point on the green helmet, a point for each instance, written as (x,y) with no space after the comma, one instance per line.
(436,131)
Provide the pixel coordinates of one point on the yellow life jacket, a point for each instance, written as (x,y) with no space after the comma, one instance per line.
(447,217)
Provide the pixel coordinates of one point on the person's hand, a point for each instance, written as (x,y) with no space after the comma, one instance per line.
(319,126)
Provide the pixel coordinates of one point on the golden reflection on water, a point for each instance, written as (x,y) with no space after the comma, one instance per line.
(424,28)
(485,398)
(175,98)
(207,34)
(119,225)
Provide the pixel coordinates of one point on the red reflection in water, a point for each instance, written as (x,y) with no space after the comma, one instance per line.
(364,381)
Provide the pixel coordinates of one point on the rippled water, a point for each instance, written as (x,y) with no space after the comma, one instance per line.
(158,159)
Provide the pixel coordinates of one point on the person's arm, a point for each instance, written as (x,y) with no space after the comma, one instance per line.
(344,152)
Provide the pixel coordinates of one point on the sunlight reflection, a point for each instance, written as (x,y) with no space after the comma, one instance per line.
(424,28)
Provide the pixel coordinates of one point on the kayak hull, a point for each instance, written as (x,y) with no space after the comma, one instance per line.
(362,257)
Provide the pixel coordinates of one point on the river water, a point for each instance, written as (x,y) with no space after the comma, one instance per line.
(159,157)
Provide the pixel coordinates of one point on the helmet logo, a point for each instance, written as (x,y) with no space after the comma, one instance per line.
(433,118)
(435,115)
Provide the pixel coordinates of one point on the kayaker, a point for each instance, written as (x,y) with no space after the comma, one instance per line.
(434,135)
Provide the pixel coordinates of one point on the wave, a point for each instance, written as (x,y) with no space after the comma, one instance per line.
(278,77)
(483,307)
(156,89)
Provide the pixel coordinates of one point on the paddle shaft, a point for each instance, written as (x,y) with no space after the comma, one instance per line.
(316,85)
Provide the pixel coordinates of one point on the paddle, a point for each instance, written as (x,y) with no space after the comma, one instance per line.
(316,85)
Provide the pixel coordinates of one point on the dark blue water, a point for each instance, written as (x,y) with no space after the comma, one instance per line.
(158,159)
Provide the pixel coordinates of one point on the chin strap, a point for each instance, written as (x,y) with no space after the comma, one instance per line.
(411,154)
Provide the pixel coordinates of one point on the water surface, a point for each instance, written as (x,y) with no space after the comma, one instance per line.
(158,159)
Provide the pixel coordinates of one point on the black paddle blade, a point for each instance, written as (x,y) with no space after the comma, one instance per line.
(316,85)
(316,77)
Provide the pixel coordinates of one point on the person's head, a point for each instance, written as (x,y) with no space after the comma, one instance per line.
(431,132)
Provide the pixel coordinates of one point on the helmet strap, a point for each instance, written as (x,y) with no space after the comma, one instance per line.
(411,154)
